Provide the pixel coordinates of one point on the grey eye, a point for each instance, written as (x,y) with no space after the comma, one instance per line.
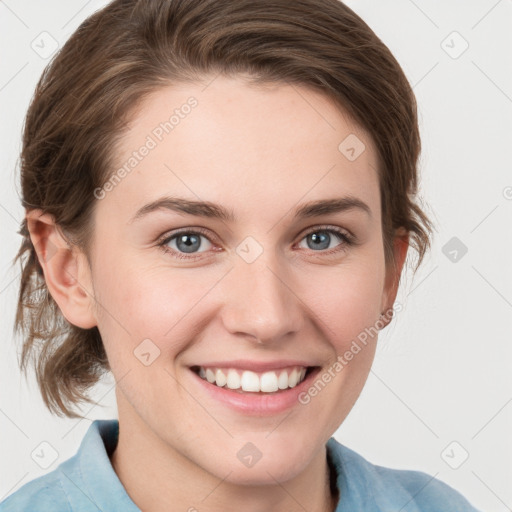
(187,242)
(321,239)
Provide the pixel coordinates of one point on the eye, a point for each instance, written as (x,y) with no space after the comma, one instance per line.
(320,239)
(185,243)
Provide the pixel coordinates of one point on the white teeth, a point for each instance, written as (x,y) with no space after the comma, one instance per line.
(248,381)
(292,378)
(233,381)
(210,376)
(220,378)
(283,380)
(269,382)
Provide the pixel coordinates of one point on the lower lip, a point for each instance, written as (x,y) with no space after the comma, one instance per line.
(258,404)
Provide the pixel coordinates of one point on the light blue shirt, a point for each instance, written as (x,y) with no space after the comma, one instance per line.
(87,482)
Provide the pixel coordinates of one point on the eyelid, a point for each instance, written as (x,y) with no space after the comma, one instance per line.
(189,229)
(346,236)
(328,227)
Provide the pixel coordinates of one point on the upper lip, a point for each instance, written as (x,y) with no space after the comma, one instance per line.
(255,366)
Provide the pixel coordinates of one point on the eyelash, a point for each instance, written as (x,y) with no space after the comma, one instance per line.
(346,238)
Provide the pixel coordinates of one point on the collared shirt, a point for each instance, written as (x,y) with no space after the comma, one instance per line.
(87,482)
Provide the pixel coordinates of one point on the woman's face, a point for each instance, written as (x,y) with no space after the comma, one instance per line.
(262,288)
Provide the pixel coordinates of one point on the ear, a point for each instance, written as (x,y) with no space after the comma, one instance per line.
(393,273)
(65,267)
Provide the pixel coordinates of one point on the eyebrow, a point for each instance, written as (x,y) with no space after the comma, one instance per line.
(208,209)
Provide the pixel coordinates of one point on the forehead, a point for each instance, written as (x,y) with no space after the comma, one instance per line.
(253,148)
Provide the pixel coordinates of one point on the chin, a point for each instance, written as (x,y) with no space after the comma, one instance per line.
(262,462)
(263,473)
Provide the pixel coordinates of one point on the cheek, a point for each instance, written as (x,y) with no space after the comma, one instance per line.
(345,301)
(158,303)
(345,305)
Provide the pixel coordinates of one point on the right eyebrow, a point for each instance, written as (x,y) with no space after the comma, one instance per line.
(191,207)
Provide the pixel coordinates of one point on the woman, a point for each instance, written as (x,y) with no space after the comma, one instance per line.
(220,198)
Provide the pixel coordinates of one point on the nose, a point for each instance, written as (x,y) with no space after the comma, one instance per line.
(260,301)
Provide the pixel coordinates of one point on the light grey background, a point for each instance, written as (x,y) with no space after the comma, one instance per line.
(441,385)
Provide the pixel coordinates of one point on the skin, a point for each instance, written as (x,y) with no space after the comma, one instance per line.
(260,152)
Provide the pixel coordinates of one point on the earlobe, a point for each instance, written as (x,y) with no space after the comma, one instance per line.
(400,248)
(65,269)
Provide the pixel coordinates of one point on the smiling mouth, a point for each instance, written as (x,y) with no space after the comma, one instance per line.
(246,381)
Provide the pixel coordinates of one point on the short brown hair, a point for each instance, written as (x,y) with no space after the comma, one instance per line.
(129,49)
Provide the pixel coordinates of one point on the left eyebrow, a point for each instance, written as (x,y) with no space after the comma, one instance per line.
(327,206)
(211,210)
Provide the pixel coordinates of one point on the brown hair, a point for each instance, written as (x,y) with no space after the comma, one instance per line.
(130,48)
